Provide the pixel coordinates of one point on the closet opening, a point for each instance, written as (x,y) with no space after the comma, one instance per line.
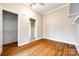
(32,26)
(10,30)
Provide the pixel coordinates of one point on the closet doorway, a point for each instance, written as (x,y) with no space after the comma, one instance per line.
(10,30)
(32,26)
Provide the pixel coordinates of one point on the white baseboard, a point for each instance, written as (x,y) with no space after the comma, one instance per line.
(77,47)
(35,39)
(28,42)
(47,38)
(23,43)
(38,38)
(59,40)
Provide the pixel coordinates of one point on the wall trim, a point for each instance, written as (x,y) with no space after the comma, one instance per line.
(75,18)
(15,12)
(56,9)
(77,47)
(28,42)
(9,10)
(34,40)
(21,44)
(38,38)
(59,40)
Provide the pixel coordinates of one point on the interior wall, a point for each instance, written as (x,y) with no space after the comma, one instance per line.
(77,37)
(58,26)
(24,14)
(10,27)
(0,30)
(77,34)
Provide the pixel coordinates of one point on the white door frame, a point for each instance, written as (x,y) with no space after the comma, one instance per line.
(2,21)
(34,30)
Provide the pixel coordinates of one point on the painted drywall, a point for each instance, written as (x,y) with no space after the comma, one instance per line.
(77,32)
(57,26)
(77,37)
(10,27)
(0,30)
(24,14)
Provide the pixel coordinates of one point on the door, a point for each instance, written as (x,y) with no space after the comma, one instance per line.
(32,21)
(0,30)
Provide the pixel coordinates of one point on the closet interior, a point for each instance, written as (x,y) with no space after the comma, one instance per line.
(10,29)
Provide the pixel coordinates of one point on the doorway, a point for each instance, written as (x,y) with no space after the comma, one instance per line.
(32,26)
(10,30)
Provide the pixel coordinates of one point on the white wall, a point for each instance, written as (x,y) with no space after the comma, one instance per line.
(0,30)
(10,27)
(77,34)
(77,37)
(58,26)
(23,20)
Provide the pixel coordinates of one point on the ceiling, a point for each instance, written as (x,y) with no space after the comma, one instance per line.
(42,9)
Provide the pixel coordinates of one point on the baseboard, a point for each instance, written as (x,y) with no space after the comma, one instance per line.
(77,47)
(59,40)
(38,38)
(23,44)
(28,42)
(47,38)
(10,43)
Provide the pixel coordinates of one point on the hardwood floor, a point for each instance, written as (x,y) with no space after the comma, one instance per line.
(9,46)
(42,47)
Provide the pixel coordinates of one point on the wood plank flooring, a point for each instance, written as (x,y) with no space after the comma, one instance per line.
(42,47)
